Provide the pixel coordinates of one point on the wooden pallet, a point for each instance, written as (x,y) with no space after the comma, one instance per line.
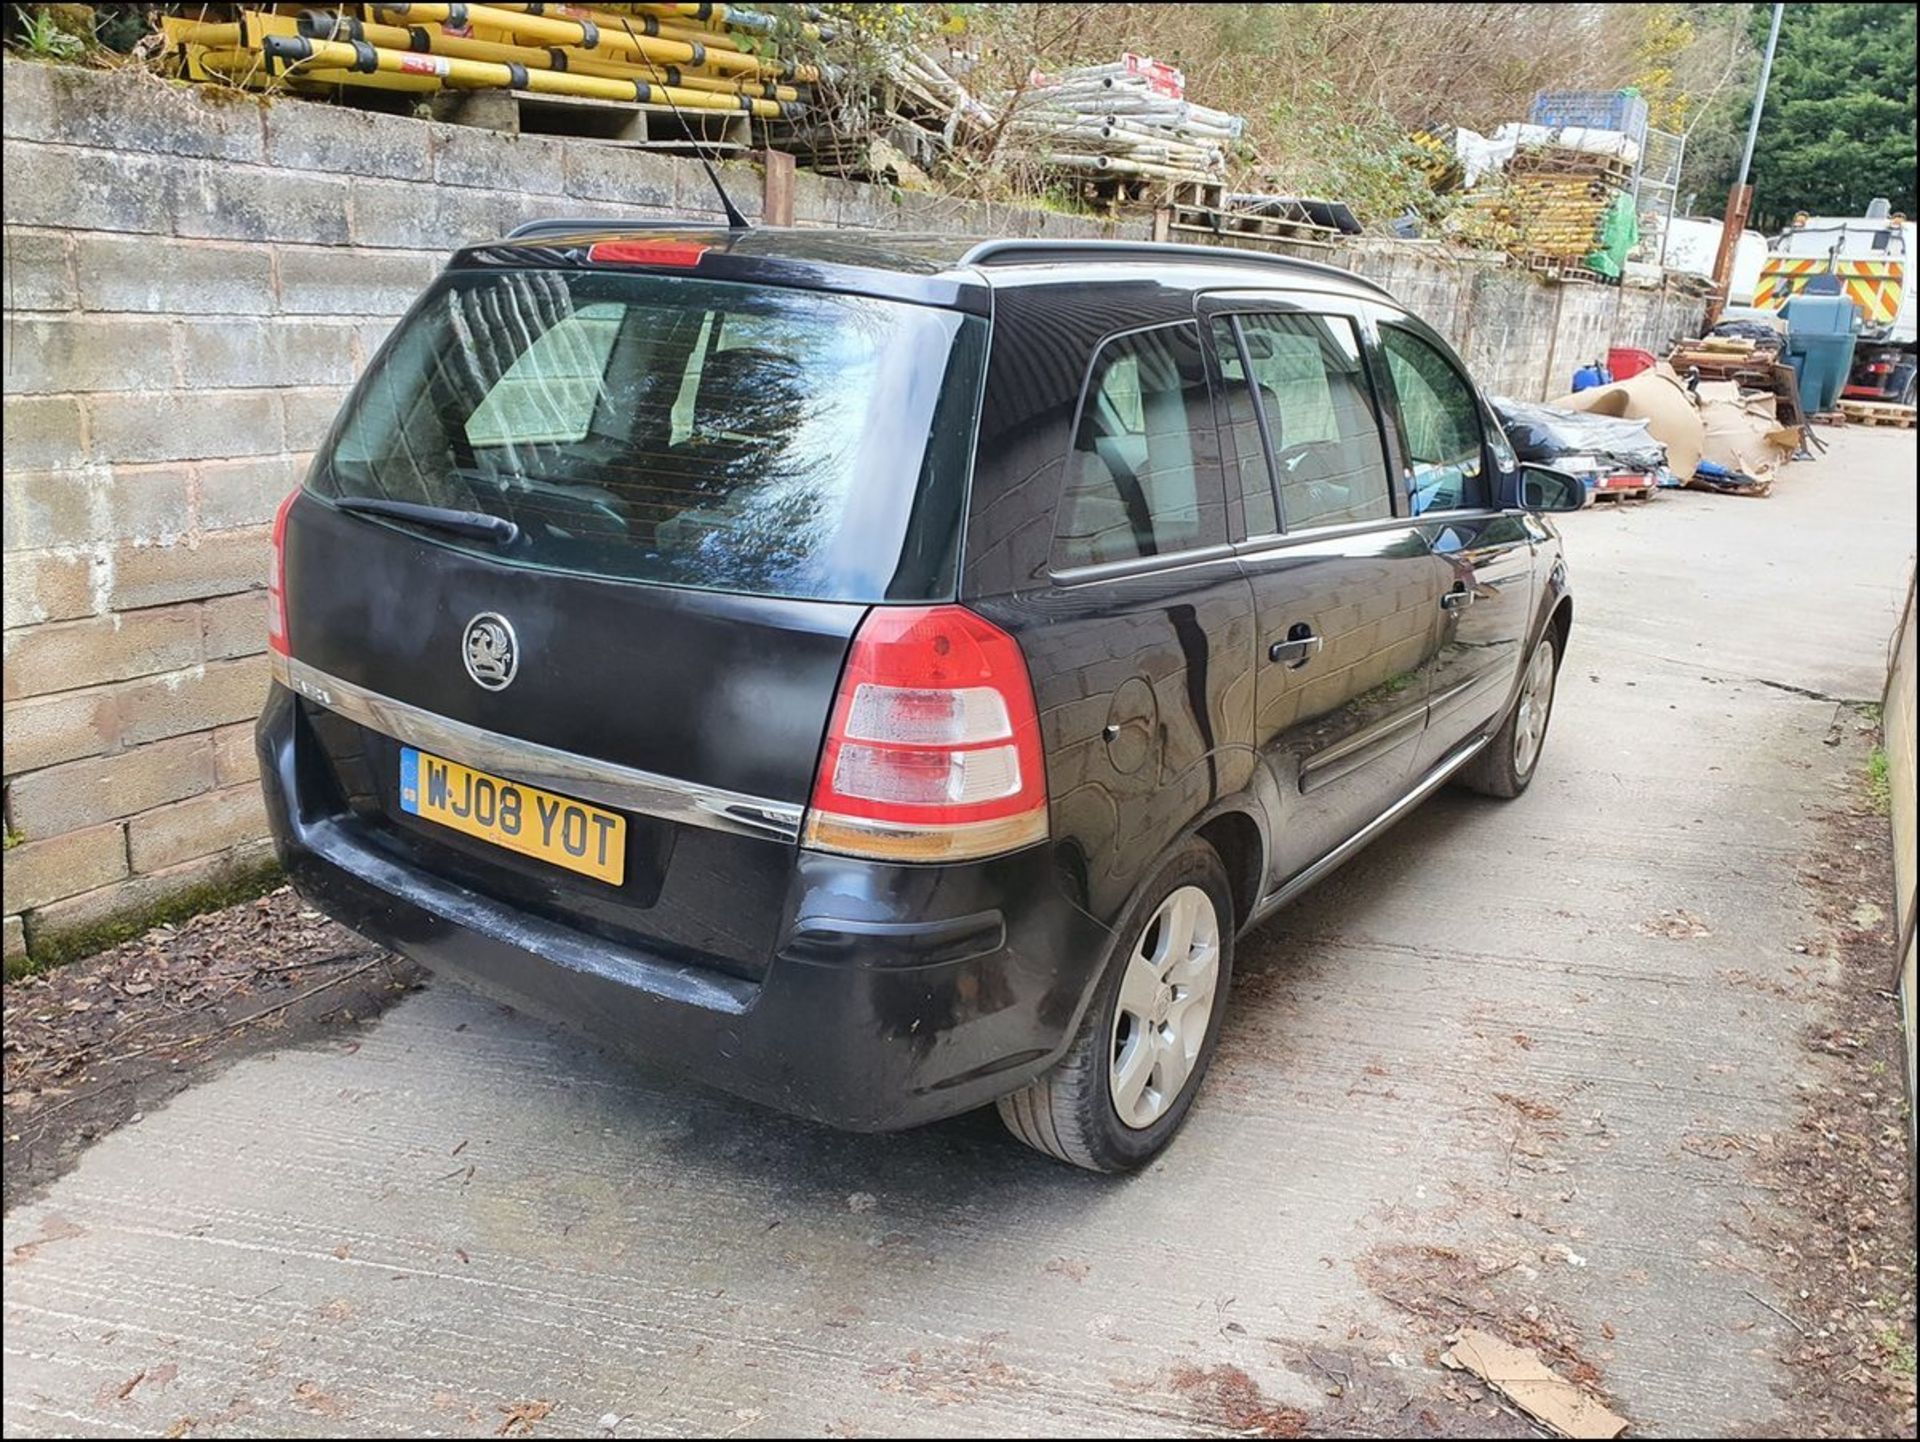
(1878,413)
(605,122)
(1622,493)
(1197,194)
(1189,221)
(1829,418)
(1561,161)
(1563,269)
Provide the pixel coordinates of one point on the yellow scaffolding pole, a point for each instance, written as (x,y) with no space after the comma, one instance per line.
(589,35)
(319,26)
(607,21)
(297,54)
(652,25)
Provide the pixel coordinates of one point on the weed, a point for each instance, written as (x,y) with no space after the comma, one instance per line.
(1900,1358)
(44,38)
(1879,784)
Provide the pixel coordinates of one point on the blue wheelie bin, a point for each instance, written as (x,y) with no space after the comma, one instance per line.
(1821,331)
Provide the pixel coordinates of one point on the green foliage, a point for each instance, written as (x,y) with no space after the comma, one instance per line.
(1879,783)
(1838,128)
(1360,155)
(13,838)
(853,45)
(46,34)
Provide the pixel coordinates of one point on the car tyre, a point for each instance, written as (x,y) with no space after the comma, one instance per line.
(1149,1033)
(1506,764)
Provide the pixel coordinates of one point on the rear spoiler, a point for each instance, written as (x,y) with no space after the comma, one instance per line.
(533,229)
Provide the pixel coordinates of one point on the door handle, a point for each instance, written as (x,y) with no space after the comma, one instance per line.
(1300,647)
(1457,599)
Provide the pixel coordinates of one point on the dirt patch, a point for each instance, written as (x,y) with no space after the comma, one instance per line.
(1842,1249)
(94,1044)
(1443,1290)
(945,1376)
(1225,1396)
(1364,1393)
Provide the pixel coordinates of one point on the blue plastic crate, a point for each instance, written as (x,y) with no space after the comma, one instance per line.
(1622,110)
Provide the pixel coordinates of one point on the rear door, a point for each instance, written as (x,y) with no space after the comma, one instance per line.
(708,485)
(1446,440)
(1346,595)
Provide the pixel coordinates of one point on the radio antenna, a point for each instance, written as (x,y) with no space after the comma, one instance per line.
(735,220)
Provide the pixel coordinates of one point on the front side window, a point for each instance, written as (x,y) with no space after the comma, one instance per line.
(1143,479)
(1329,466)
(1445,443)
(678,431)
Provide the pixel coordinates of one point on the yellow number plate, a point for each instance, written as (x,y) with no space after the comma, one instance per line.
(521,818)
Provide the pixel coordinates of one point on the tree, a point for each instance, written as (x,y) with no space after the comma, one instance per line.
(1838,128)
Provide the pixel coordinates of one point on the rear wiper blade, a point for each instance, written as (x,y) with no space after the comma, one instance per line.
(497,529)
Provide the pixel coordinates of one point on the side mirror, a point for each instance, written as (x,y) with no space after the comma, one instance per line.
(1545,490)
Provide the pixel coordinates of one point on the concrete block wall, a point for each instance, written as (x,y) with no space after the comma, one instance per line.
(192,282)
(1519,336)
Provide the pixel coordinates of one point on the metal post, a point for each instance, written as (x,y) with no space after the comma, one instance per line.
(1740,198)
(1760,94)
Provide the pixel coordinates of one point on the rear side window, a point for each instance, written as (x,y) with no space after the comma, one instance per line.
(1442,420)
(1144,478)
(678,431)
(1329,464)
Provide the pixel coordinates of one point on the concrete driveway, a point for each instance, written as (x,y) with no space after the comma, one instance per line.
(1503,1067)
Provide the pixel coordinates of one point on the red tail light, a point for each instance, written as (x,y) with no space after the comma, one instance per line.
(277,581)
(646,252)
(933,753)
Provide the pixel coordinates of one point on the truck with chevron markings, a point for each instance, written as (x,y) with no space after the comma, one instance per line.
(1869,259)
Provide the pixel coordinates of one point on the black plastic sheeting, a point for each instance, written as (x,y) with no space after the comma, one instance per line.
(1546,433)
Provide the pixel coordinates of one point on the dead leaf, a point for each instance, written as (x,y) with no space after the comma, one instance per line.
(180,1428)
(1534,1387)
(1533,1110)
(54,1229)
(1678,924)
(309,1395)
(521,1416)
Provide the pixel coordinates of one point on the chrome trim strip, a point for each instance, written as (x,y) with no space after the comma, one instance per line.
(548,767)
(1325,765)
(1428,784)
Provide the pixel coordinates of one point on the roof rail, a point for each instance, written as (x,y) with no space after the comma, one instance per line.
(571,226)
(1015,252)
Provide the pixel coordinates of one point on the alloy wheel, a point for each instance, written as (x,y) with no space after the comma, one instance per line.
(1536,700)
(1164,1007)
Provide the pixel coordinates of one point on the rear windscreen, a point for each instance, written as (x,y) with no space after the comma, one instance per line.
(684,432)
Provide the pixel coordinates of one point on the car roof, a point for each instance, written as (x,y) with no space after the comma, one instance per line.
(958,261)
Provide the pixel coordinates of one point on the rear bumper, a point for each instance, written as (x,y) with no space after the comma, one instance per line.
(897,996)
